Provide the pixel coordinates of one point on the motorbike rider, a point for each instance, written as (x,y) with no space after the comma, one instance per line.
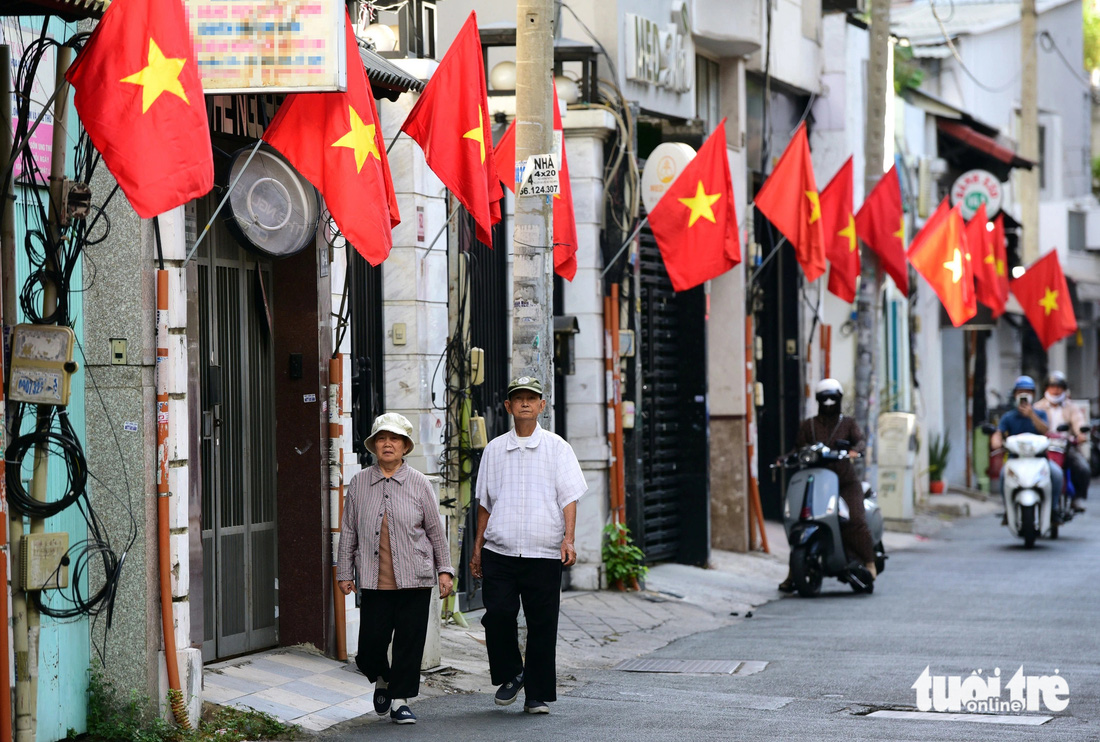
(1060,410)
(1024,418)
(829,426)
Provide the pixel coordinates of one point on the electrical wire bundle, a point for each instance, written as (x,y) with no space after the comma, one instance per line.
(54,253)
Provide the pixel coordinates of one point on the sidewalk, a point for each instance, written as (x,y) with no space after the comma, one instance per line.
(596,630)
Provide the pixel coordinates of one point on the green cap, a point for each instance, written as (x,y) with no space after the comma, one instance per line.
(525,382)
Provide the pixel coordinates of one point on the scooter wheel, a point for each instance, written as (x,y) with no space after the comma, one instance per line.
(806,572)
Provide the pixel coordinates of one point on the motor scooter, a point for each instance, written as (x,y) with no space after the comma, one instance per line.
(1027,487)
(1060,441)
(813,512)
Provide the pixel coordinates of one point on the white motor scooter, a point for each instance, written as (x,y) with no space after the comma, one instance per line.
(1027,487)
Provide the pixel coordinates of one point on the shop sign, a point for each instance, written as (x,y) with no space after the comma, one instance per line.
(244,46)
(662,55)
(20,33)
(662,167)
(974,188)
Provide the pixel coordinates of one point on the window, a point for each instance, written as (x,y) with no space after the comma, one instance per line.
(1042,158)
(706,92)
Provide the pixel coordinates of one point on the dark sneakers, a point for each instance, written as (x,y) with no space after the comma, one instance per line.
(531,706)
(402,715)
(381,701)
(506,694)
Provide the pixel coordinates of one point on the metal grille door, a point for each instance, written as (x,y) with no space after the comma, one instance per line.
(669,506)
(238,450)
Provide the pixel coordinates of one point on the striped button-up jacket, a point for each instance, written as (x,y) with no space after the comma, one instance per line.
(417,543)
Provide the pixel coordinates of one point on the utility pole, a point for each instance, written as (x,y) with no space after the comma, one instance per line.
(1028,180)
(533,265)
(873,154)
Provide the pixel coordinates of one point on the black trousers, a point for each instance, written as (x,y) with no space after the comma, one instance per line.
(537,582)
(400,616)
(1079,470)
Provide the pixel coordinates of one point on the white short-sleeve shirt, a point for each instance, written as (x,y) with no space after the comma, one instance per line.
(525,484)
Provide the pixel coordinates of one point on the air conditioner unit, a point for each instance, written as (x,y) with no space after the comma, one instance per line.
(1092,229)
(929,172)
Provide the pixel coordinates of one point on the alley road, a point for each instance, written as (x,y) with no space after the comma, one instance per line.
(973,599)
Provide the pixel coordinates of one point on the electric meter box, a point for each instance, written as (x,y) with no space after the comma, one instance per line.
(897,458)
(40,557)
(41,364)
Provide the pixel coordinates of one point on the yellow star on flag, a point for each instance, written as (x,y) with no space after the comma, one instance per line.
(1049,302)
(1000,267)
(815,204)
(700,205)
(359,138)
(900,234)
(478,134)
(161,75)
(850,233)
(955,265)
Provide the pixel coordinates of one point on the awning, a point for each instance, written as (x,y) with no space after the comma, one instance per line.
(983,143)
(387,80)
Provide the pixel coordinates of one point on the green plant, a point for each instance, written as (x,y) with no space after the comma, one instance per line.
(118,716)
(623,561)
(908,74)
(939,453)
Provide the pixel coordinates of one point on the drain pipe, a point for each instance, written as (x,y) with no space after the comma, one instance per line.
(336,492)
(171,661)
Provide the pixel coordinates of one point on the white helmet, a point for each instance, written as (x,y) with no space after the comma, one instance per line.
(829,393)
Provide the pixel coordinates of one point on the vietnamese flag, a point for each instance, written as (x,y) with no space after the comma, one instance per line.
(335,141)
(1000,259)
(565,223)
(881,224)
(980,238)
(939,253)
(695,223)
(450,121)
(790,201)
(1045,298)
(139,98)
(839,225)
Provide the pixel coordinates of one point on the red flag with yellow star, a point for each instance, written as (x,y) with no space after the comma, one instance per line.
(939,253)
(335,141)
(565,223)
(1044,296)
(450,122)
(839,225)
(980,236)
(790,201)
(1001,258)
(881,224)
(695,222)
(139,98)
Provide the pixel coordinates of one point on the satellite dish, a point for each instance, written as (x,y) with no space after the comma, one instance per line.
(272,208)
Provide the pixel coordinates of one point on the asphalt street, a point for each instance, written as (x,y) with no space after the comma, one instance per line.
(972,599)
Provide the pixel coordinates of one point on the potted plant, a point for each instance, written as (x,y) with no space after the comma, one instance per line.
(623,561)
(939,452)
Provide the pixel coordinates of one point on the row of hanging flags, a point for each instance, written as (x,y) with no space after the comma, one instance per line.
(140,99)
(964,263)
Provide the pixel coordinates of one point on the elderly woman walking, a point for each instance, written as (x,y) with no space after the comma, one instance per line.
(392,533)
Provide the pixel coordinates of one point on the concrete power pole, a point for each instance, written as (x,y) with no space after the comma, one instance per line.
(533,266)
(873,154)
(1028,180)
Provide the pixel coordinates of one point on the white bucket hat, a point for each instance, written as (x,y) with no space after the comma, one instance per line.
(393,423)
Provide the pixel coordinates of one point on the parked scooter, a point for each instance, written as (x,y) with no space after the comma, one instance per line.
(1027,487)
(812,515)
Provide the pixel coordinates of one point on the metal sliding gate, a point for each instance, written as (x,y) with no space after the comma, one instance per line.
(237,449)
(668,494)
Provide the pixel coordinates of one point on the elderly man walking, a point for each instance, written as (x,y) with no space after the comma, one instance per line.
(527,490)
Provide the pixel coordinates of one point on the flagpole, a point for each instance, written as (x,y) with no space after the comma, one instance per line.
(444,227)
(393,141)
(228,191)
(772,254)
(626,244)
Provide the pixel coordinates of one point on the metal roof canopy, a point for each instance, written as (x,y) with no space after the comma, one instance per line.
(983,143)
(386,78)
